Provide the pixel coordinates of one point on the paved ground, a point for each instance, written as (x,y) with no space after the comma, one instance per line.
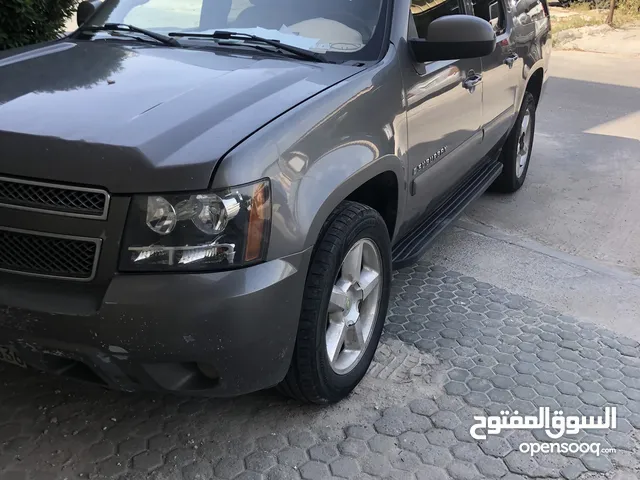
(454,345)
(582,194)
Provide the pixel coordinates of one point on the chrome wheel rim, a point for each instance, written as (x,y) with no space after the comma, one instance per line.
(354,305)
(524,144)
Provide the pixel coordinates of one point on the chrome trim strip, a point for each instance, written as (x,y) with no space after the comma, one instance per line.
(96,258)
(105,211)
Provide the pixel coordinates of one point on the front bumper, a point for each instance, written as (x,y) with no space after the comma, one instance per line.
(217,334)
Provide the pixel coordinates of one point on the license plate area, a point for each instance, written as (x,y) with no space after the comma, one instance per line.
(9,355)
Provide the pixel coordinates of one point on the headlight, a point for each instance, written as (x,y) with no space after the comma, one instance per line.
(203,231)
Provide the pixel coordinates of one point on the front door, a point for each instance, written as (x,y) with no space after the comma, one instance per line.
(444,114)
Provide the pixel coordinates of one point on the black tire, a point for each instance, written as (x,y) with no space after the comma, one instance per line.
(310,378)
(509,181)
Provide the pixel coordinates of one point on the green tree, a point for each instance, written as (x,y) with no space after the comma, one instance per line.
(23,22)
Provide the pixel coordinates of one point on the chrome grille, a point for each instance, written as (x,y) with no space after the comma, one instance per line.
(54,199)
(47,255)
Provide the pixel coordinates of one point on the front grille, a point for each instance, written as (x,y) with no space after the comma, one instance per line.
(55,199)
(46,255)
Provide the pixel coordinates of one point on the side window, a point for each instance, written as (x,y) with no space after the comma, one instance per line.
(493,12)
(426,11)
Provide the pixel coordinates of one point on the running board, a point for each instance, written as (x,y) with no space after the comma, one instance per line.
(409,249)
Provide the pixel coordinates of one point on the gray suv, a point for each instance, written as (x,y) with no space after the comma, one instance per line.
(209,197)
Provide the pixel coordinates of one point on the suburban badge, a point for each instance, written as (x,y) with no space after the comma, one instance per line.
(424,164)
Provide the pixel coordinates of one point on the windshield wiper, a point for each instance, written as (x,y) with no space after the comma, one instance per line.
(277,44)
(123,27)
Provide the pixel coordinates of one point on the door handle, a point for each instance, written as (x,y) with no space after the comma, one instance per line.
(472,81)
(511,59)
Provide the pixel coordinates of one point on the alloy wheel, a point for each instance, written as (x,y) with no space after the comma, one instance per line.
(354,305)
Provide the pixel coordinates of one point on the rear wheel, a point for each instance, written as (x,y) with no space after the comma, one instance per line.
(516,153)
(344,306)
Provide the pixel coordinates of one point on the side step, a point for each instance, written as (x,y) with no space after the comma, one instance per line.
(409,249)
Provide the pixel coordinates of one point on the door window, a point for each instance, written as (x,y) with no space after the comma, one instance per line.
(493,12)
(426,11)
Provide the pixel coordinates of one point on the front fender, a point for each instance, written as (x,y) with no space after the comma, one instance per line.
(320,152)
(343,171)
(527,74)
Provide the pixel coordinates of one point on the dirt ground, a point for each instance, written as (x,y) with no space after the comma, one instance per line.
(601,39)
(592,36)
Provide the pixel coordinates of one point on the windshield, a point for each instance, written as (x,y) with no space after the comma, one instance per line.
(350,28)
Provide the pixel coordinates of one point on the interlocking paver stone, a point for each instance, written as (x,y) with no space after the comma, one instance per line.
(573,471)
(113,467)
(147,461)
(441,437)
(352,447)
(445,419)
(383,443)
(280,472)
(361,432)
(463,471)
(249,475)
(524,464)
(495,446)
(405,461)
(489,349)
(197,471)
(292,457)
(229,467)
(303,438)
(260,461)
(437,456)
(390,426)
(414,442)
(375,464)
(314,471)
(469,452)
(132,447)
(429,472)
(491,467)
(323,452)
(456,388)
(271,442)
(345,467)
(596,463)
(423,407)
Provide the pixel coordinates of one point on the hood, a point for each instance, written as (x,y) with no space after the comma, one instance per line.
(135,118)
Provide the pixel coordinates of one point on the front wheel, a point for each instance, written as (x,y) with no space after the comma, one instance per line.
(344,306)
(516,153)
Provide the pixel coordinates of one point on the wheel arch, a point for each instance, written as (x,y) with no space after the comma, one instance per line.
(533,81)
(534,84)
(380,186)
(386,205)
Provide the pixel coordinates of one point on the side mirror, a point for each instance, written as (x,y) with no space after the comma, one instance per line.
(454,37)
(86,10)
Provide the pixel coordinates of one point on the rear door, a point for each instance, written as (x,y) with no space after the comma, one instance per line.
(501,72)
(444,114)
